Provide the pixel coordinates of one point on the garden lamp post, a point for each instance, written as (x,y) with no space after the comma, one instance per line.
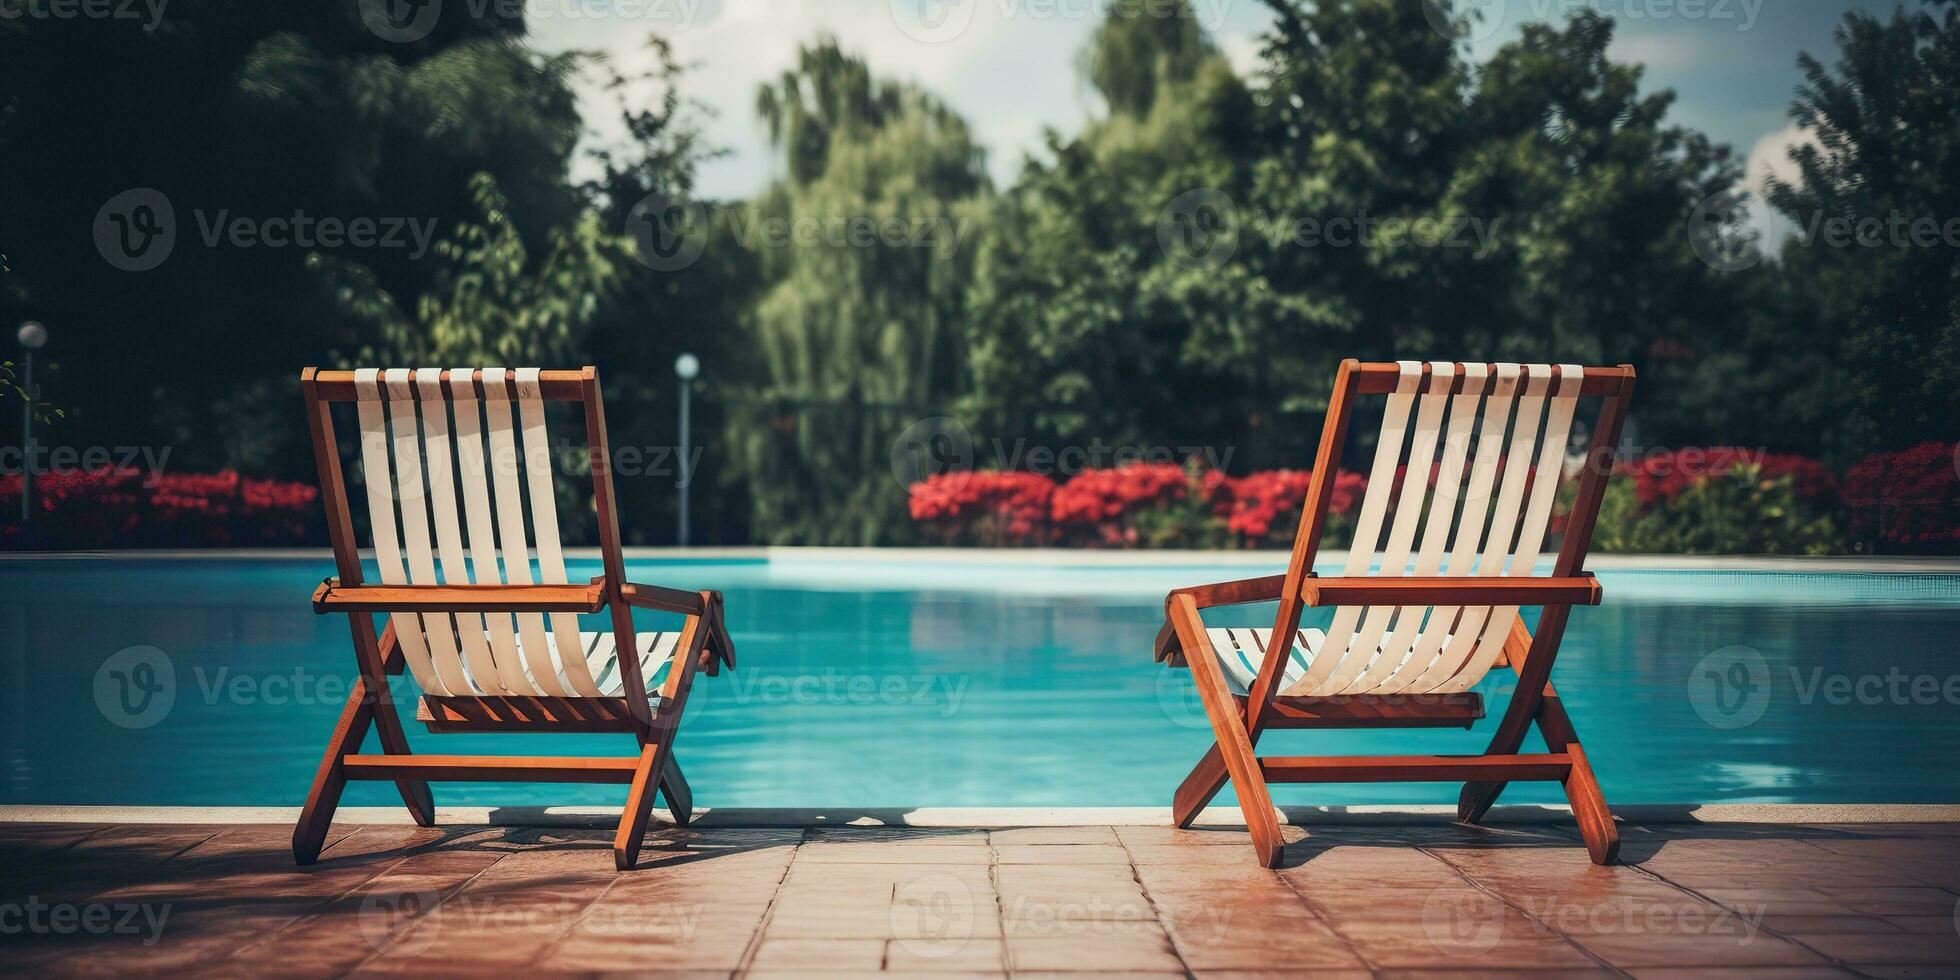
(686,367)
(33,336)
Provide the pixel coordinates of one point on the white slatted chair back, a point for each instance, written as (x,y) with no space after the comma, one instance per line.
(1497,449)
(423,452)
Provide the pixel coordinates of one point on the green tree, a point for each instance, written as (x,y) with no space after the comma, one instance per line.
(662,309)
(490,301)
(253,111)
(861,326)
(1885,312)
(1087,326)
(1193,270)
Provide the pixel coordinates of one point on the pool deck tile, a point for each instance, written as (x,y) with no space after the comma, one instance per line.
(1419,901)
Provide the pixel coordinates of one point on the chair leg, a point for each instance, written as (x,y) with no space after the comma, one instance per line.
(639,805)
(1582,790)
(673,786)
(1197,790)
(1475,800)
(310,833)
(360,713)
(1254,801)
(1596,825)
(1234,747)
(416,796)
(1581,786)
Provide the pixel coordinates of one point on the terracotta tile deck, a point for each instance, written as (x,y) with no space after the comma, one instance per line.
(1416,901)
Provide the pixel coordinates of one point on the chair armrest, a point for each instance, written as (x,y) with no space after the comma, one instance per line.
(657,597)
(332,597)
(686,603)
(1168,650)
(1242,591)
(724,645)
(1450,591)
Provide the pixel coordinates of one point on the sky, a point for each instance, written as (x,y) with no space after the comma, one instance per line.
(1011,66)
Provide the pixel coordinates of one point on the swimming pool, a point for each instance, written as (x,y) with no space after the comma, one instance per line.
(884,680)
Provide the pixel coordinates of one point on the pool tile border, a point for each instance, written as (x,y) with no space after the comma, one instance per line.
(1067,557)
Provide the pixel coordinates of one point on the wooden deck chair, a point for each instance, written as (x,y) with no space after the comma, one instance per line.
(491,649)
(1420,615)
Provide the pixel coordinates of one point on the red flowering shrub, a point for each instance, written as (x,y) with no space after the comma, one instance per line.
(1139,505)
(1094,496)
(1906,500)
(123,507)
(984,508)
(1264,507)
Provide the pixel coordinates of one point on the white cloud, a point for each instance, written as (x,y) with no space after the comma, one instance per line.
(1770,157)
(1242,51)
(1670,51)
(735,46)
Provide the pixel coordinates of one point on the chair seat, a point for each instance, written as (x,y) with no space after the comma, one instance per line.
(1241,650)
(529,712)
(656,654)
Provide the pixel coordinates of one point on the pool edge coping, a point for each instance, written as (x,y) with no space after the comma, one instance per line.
(980,817)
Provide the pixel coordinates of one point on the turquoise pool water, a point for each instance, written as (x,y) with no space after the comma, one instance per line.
(929,683)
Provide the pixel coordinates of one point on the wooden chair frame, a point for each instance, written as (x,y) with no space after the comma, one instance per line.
(1238,722)
(704,644)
